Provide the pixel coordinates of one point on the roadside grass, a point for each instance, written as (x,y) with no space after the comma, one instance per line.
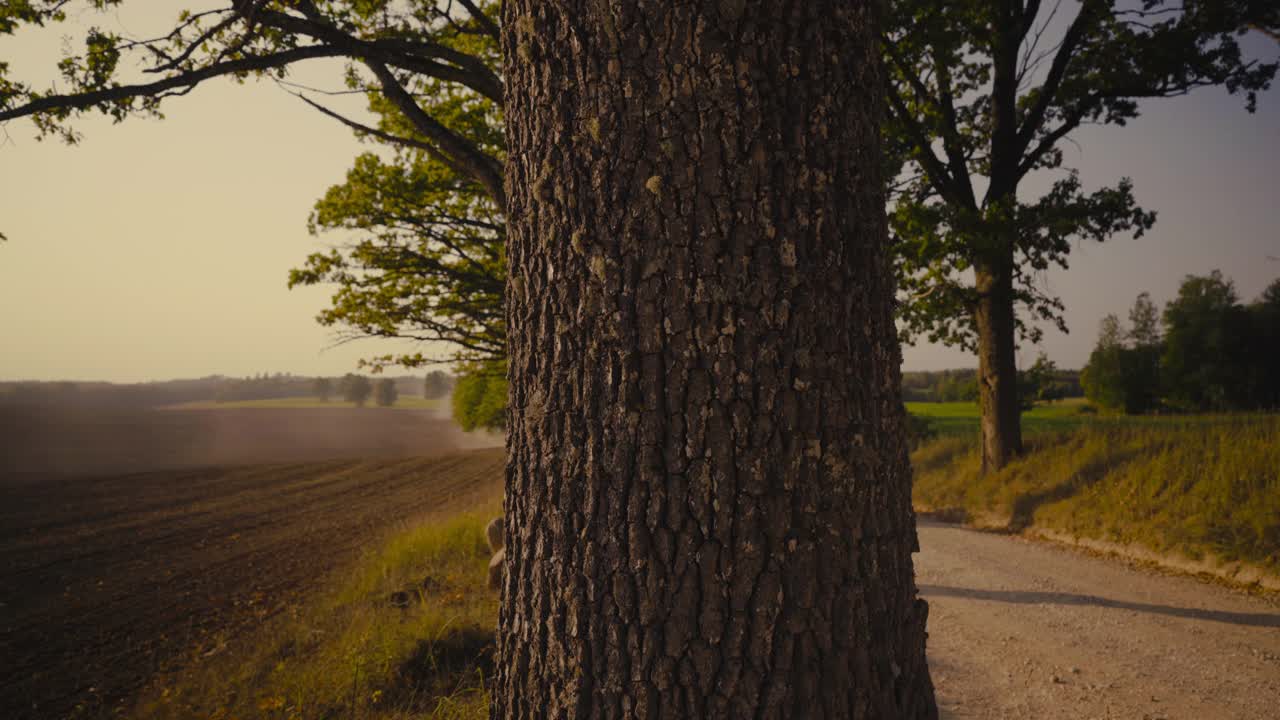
(404,402)
(1198,486)
(407,632)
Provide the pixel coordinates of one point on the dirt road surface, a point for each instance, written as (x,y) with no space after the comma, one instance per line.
(1023,629)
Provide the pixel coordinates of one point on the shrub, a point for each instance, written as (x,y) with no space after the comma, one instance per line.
(480,398)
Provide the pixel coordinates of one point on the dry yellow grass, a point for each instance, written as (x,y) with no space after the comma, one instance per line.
(407,632)
(1194,486)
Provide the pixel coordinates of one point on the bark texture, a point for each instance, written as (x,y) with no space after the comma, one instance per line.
(708,509)
(997,366)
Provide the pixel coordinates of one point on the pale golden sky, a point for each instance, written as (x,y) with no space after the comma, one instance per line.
(160,249)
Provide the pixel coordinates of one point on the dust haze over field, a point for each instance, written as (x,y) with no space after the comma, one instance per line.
(88,439)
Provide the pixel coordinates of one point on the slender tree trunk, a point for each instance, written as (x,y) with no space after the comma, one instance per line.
(708,498)
(994,315)
(997,365)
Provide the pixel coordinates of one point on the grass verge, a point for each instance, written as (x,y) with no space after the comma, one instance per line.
(408,632)
(1198,487)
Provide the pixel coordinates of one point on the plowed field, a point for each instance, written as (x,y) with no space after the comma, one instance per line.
(108,578)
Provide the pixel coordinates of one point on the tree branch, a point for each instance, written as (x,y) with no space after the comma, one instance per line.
(417,56)
(430,149)
(1057,72)
(469,159)
(951,142)
(187,80)
(933,167)
(484,20)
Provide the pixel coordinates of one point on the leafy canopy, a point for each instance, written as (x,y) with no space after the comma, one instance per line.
(420,254)
(982,93)
(427,265)
(427,262)
(1214,353)
(403,51)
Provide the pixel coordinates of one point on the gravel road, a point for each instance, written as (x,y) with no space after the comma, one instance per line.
(1021,628)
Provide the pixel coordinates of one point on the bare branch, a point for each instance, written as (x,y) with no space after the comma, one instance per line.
(184,81)
(430,149)
(929,162)
(417,56)
(483,20)
(1057,71)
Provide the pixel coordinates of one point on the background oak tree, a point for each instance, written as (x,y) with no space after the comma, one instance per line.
(982,94)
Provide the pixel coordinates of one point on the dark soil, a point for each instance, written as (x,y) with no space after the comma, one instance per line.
(107,579)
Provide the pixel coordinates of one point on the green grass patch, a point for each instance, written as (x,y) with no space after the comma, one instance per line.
(961,419)
(407,632)
(1191,485)
(404,402)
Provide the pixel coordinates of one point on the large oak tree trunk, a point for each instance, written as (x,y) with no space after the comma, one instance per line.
(708,498)
(998,401)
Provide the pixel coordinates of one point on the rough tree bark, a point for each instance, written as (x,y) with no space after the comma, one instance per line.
(708,499)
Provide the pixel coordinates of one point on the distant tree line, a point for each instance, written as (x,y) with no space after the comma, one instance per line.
(1206,352)
(263,387)
(386,391)
(1043,381)
(217,388)
(940,386)
(111,395)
